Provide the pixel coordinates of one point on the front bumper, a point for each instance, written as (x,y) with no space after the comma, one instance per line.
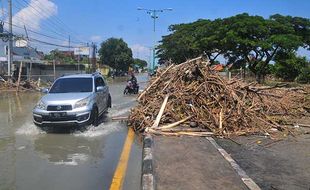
(77,117)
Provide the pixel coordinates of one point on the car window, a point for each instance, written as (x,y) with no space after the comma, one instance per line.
(68,85)
(99,82)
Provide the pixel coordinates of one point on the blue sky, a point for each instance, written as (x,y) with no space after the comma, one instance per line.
(97,20)
(120,18)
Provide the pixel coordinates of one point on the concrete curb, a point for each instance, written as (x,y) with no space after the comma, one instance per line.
(147,181)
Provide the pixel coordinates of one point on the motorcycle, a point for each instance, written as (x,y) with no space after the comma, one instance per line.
(131,88)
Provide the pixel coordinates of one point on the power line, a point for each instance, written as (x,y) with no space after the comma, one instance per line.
(61,22)
(52,44)
(41,11)
(41,34)
(41,41)
(51,27)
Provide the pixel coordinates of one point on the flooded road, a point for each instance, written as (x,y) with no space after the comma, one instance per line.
(34,159)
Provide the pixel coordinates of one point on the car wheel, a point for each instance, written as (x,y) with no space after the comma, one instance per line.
(95,116)
(109,101)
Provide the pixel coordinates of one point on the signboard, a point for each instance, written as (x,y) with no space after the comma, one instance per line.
(81,51)
(21,43)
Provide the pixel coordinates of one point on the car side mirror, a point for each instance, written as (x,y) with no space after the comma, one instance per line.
(100,88)
(45,90)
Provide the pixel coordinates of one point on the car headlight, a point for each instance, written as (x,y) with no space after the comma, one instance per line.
(81,103)
(41,105)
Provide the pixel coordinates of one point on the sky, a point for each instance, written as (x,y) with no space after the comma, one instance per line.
(98,20)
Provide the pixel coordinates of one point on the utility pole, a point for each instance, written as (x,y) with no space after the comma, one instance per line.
(92,57)
(69,43)
(10,48)
(153,13)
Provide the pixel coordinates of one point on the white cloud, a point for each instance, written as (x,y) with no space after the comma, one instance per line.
(96,38)
(2,12)
(140,51)
(35,13)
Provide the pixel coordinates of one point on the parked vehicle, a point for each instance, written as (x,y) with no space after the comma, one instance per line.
(75,99)
(131,88)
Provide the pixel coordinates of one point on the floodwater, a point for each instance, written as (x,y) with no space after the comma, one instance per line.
(34,159)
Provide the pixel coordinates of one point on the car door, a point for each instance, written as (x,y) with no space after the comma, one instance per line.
(101,96)
(106,94)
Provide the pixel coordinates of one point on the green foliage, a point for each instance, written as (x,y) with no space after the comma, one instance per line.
(251,41)
(59,57)
(116,53)
(141,63)
(288,66)
(304,76)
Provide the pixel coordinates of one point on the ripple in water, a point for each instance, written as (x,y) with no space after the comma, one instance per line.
(74,160)
(114,113)
(101,130)
(29,129)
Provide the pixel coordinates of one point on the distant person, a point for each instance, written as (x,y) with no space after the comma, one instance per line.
(133,79)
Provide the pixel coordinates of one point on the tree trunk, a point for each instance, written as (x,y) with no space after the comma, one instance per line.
(243,72)
(258,78)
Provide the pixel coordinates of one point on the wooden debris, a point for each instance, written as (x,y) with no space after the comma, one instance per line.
(143,93)
(119,118)
(161,111)
(19,85)
(224,107)
(19,75)
(175,123)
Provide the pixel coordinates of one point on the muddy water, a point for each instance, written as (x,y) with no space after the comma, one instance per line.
(34,159)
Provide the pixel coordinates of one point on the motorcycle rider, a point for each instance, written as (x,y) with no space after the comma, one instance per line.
(133,79)
(132,85)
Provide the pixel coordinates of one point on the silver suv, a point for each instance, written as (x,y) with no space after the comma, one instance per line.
(75,99)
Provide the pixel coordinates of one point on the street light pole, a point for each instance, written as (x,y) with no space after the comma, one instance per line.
(153,13)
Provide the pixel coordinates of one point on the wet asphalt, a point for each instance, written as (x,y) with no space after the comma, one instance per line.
(31,158)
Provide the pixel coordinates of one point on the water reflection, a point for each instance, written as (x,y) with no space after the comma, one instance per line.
(15,108)
(68,149)
(30,157)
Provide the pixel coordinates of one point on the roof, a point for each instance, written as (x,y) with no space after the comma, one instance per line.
(26,52)
(218,67)
(20,53)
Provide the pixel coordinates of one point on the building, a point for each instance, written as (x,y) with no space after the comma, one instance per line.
(27,55)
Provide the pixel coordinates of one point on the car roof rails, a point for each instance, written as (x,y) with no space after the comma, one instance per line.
(96,73)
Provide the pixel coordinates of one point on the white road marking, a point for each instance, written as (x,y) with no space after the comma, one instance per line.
(244,177)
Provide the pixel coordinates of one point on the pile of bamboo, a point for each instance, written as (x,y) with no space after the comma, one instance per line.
(19,85)
(191,99)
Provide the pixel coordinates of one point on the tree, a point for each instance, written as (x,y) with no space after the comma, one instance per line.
(116,53)
(141,63)
(180,44)
(251,41)
(304,76)
(288,66)
(59,56)
(191,40)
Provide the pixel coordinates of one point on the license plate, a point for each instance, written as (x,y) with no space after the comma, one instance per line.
(59,114)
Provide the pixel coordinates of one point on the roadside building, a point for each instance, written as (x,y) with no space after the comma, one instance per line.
(34,66)
(105,69)
(26,55)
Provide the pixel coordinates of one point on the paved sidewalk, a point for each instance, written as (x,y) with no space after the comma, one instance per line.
(185,163)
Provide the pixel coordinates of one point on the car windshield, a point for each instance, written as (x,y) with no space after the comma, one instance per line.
(67,85)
